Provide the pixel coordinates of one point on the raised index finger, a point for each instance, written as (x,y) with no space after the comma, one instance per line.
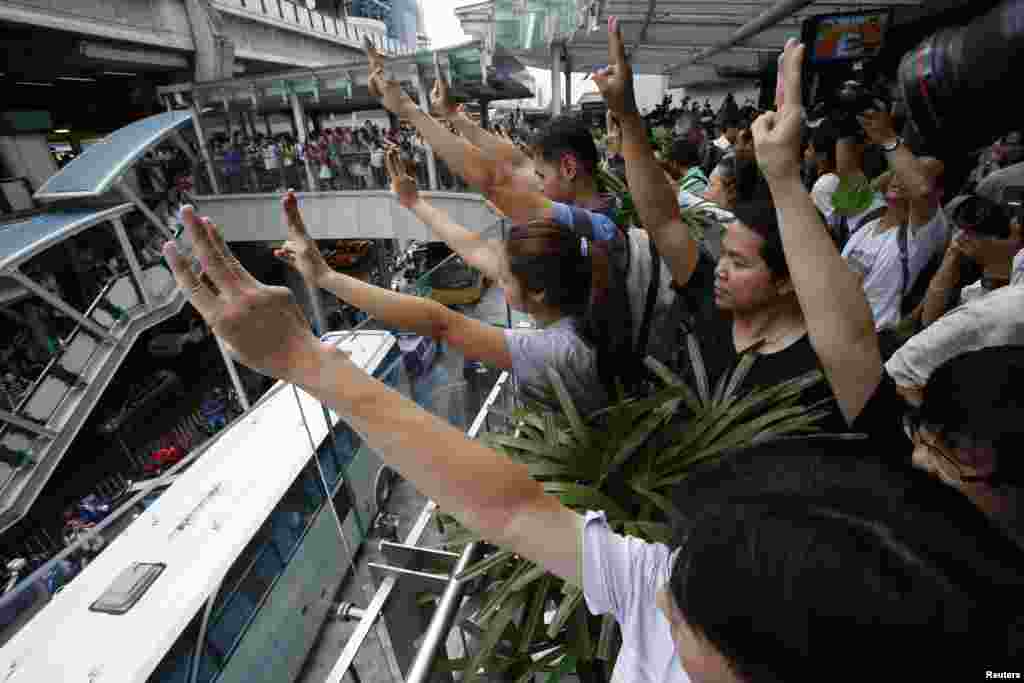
(296,226)
(616,48)
(792,66)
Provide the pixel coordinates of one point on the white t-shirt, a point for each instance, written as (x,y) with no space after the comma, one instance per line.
(621,577)
(876,257)
(821,193)
(1017,275)
(993,320)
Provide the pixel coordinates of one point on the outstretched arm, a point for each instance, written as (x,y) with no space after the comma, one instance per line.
(838,317)
(415,314)
(472,247)
(266,329)
(493,145)
(496,180)
(652,195)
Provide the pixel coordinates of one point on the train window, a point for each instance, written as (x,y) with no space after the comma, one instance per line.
(176,666)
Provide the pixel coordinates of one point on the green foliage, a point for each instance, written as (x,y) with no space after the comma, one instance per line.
(624,460)
(853,196)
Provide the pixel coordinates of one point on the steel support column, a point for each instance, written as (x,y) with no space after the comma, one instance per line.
(299,124)
(45,294)
(133,263)
(204,148)
(130,195)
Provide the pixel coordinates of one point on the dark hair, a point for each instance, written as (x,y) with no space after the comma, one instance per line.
(824,139)
(545,256)
(567,134)
(796,556)
(759,215)
(977,396)
(685,152)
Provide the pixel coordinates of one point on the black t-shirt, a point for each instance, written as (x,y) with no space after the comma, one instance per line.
(713,332)
(881,419)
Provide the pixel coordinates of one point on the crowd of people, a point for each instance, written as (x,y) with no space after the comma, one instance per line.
(339,158)
(832,556)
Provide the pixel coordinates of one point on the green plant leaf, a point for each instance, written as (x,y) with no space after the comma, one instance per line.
(661,502)
(495,630)
(501,591)
(565,400)
(485,565)
(579,630)
(587,497)
(535,613)
(852,196)
(540,665)
(527,578)
(655,532)
(569,603)
(604,642)
(565,667)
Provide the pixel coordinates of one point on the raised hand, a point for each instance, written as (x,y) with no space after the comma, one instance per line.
(615,81)
(376,62)
(300,250)
(878,126)
(402,184)
(777,133)
(262,325)
(390,92)
(441,103)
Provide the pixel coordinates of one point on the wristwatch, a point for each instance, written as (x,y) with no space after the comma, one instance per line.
(892,146)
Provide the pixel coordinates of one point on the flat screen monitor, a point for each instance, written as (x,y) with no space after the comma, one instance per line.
(847,37)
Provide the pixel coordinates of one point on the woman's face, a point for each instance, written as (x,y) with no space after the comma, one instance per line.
(699,658)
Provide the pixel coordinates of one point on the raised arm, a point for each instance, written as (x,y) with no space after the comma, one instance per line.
(838,317)
(498,181)
(652,195)
(415,314)
(493,145)
(917,174)
(487,492)
(474,249)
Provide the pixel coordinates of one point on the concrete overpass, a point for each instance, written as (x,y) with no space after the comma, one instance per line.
(165,33)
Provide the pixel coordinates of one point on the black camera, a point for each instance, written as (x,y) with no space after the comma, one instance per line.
(842,51)
(956,81)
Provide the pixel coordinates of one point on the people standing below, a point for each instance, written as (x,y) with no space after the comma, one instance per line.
(889,252)
(377,165)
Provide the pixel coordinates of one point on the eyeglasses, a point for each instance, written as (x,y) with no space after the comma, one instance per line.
(912,425)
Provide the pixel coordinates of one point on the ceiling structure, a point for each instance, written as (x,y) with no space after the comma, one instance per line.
(678,38)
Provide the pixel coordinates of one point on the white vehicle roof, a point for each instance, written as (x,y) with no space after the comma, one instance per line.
(197,528)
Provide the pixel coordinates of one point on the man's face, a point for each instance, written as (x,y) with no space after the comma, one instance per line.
(557,178)
(743,282)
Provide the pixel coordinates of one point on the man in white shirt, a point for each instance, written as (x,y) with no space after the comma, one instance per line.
(890,252)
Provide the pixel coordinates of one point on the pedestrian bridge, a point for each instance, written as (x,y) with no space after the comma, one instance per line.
(367,214)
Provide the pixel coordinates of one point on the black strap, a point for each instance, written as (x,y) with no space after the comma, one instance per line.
(901,239)
(872,215)
(652,297)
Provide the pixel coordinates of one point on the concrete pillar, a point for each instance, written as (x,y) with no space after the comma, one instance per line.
(567,69)
(299,125)
(214,51)
(485,116)
(421,91)
(556,71)
(204,148)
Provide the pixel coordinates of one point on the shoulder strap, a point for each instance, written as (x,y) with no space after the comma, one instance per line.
(901,239)
(872,215)
(652,296)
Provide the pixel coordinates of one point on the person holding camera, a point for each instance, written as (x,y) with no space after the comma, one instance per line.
(890,251)
(985,237)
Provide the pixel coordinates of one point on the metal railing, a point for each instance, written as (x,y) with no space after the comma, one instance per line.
(311,20)
(349,172)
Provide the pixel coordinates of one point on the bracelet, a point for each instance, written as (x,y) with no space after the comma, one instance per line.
(892,146)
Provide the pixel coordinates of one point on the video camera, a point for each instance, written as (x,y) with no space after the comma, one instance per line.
(840,79)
